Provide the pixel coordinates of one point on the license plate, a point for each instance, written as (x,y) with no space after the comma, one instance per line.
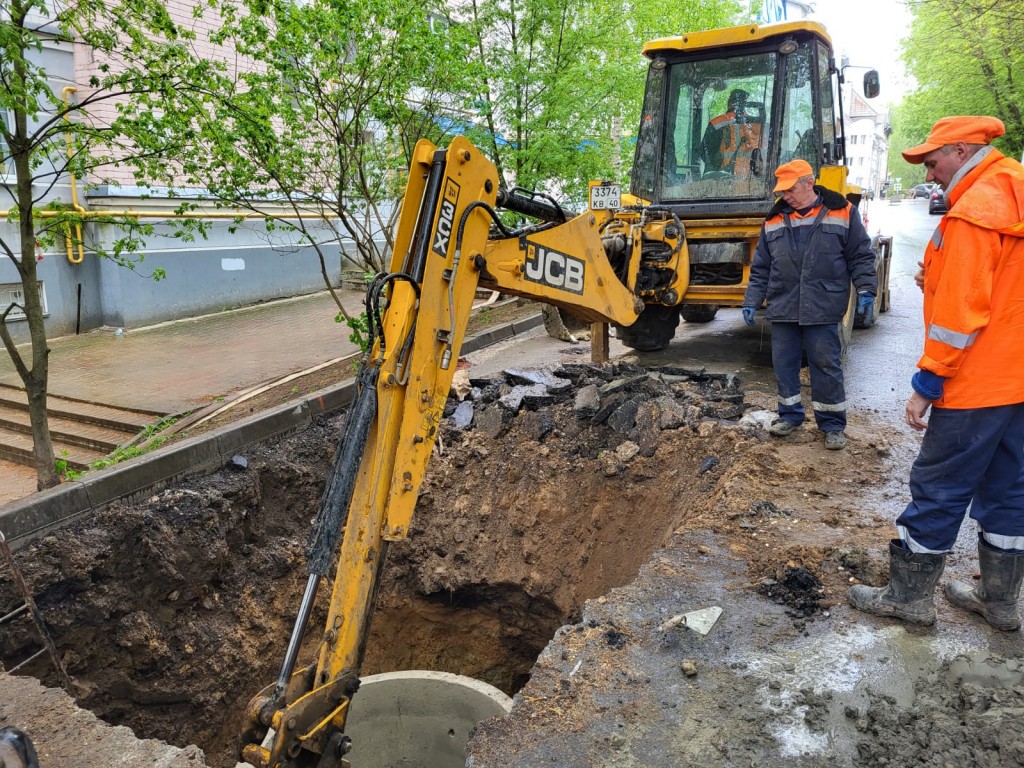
(605,196)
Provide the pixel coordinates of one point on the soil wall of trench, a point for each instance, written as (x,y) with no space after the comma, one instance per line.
(171,612)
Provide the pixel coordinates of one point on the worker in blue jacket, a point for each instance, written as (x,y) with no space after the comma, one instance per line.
(812,245)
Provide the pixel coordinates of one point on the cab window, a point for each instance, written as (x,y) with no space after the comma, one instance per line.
(798,135)
(717,128)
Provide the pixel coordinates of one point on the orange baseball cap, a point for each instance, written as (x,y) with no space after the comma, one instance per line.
(970,129)
(790,172)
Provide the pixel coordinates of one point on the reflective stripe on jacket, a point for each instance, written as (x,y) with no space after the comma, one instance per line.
(811,285)
(974,288)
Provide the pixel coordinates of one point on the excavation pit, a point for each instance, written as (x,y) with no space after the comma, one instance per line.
(171,612)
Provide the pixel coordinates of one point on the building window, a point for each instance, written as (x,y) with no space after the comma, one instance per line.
(853,139)
(14,293)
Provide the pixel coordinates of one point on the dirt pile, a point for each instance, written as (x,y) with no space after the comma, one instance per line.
(169,613)
(548,491)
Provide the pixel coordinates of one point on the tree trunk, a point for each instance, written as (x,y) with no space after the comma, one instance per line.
(36,377)
(42,444)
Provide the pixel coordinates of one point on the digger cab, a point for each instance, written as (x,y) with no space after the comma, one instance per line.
(723,109)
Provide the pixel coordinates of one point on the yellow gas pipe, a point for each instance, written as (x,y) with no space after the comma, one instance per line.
(130,214)
(74,189)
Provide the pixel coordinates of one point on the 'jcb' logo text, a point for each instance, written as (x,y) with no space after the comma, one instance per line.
(446,218)
(555,269)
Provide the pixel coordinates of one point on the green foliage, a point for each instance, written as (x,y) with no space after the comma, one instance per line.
(564,81)
(966,57)
(149,439)
(65,471)
(134,114)
(324,123)
(359,328)
(121,453)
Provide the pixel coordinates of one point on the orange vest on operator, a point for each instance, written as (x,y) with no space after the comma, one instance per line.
(974,289)
(739,140)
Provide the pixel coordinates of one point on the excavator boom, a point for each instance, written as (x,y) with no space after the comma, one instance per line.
(449,241)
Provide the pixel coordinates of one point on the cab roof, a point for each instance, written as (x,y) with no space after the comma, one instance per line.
(729,36)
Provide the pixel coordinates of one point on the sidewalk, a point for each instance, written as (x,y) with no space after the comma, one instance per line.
(185,364)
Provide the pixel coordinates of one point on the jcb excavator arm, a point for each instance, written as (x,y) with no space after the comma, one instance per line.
(449,240)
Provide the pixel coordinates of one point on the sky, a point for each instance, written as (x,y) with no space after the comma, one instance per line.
(869,32)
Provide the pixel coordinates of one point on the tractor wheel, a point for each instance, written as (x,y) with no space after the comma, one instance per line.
(698,313)
(653,329)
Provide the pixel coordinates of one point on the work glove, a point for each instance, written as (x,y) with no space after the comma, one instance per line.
(865,301)
(748,315)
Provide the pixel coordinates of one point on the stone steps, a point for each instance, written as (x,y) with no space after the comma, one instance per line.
(82,432)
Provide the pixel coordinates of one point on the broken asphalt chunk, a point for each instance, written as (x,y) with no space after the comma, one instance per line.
(513,400)
(462,418)
(587,402)
(608,405)
(671,415)
(623,418)
(492,420)
(554,384)
(536,424)
(583,373)
(708,464)
(619,384)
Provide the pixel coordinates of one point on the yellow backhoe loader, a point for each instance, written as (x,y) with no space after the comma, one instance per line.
(679,242)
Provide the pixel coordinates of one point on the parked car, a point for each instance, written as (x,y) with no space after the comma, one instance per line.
(924,191)
(937,201)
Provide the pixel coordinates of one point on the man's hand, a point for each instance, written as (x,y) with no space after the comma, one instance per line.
(917,407)
(865,301)
(919,276)
(748,315)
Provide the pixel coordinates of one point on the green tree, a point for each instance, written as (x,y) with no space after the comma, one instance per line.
(142,59)
(316,135)
(564,80)
(967,59)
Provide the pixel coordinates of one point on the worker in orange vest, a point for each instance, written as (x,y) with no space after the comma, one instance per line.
(732,139)
(971,377)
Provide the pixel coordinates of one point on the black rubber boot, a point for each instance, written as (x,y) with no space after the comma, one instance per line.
(911,590)
(996,595)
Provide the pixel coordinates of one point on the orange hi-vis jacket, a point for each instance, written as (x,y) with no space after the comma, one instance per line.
(974,289)
(739,140)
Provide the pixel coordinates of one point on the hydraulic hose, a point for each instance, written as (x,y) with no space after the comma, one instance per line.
(334,504)
(333,510)
(420,246)
(536,206)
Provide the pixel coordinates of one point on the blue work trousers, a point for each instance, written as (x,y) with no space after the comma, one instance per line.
(968,457)
(828,397)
